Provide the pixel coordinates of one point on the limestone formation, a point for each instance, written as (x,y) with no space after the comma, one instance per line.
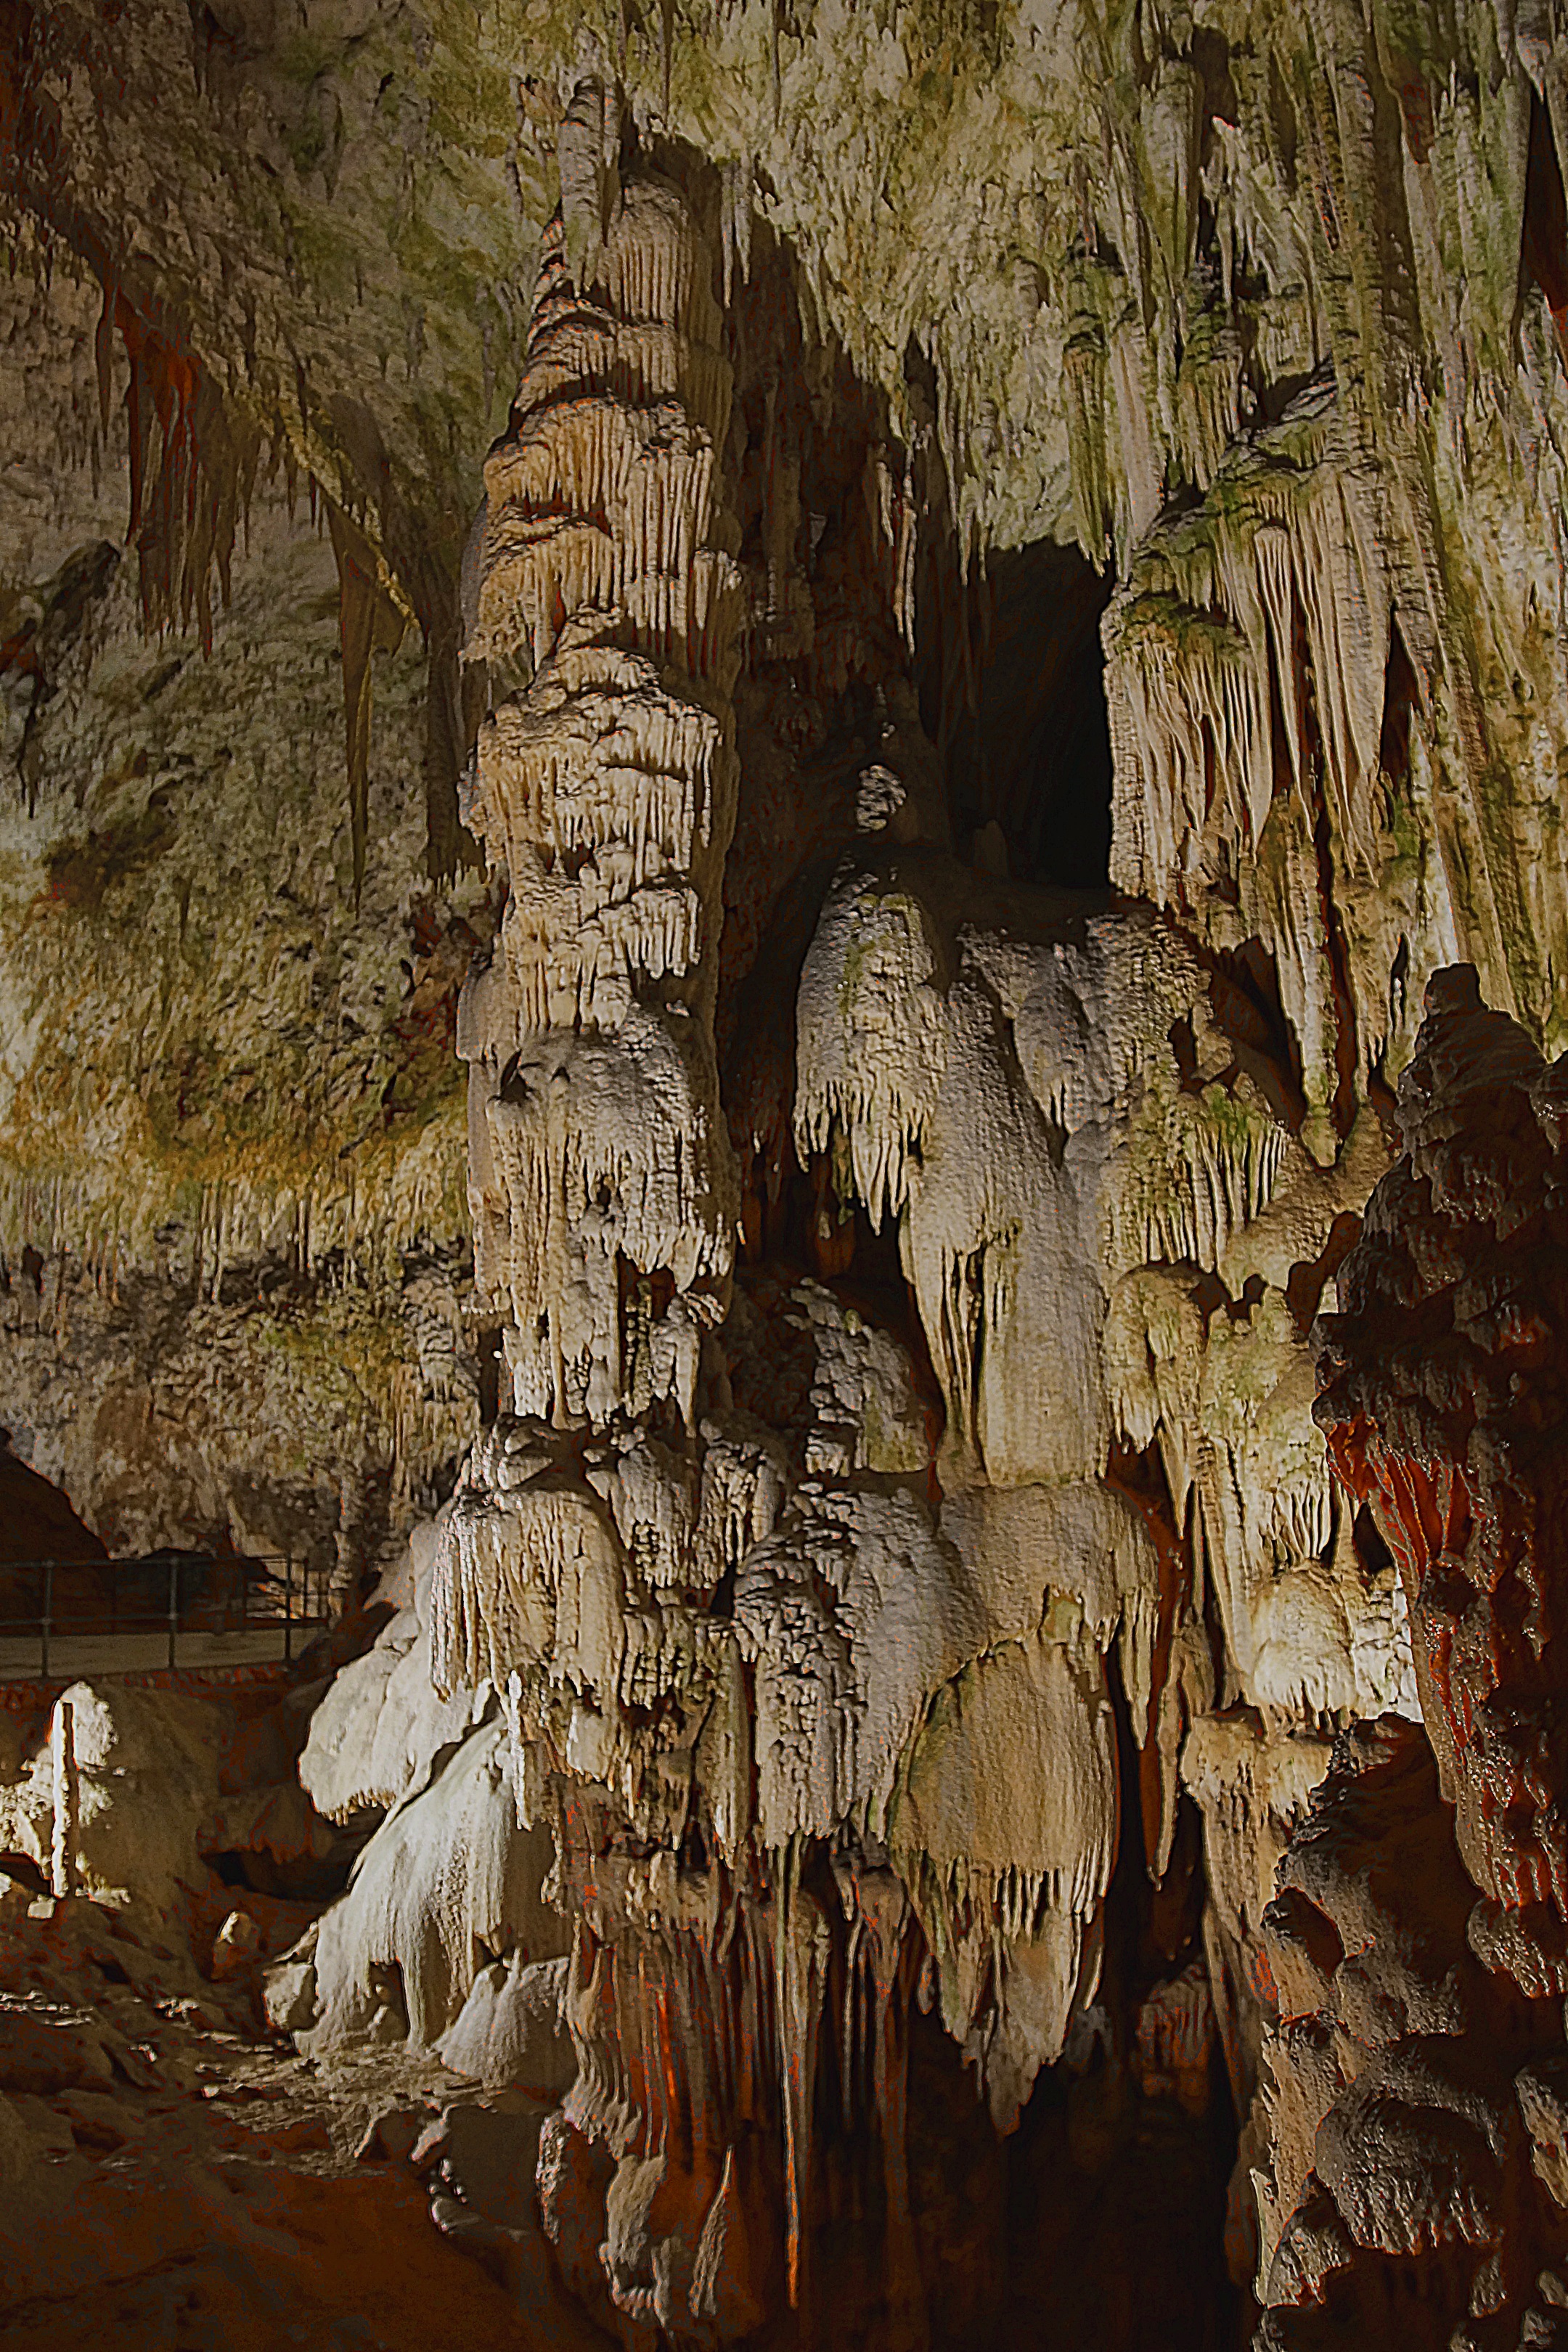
(923,649)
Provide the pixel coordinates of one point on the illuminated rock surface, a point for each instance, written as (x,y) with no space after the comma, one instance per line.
(783,918)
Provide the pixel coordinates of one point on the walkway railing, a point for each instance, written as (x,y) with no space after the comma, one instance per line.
(169,1606)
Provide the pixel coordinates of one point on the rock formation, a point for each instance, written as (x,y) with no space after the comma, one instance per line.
(1419,2034)
(945,1725)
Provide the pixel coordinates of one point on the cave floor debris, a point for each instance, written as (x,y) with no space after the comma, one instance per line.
(173,2177)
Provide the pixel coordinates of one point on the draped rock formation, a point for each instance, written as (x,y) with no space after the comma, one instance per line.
(832,1631)
(942,1497)
(1417,1939)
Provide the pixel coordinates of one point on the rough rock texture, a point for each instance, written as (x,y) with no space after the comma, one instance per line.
(1417,1939)
(232,1248)
(1008,642)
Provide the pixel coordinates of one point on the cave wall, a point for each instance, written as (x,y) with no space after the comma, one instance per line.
(234,1226)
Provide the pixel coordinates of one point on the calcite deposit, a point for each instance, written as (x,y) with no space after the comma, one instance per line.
(784,926)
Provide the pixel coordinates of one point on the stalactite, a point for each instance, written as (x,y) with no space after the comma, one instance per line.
(1210,611)
(368,624)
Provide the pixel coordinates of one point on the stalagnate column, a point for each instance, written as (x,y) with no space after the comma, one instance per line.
(607,788)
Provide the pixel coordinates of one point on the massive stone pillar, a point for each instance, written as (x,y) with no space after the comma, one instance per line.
(588,1535)
(605,1190)
(716,1635)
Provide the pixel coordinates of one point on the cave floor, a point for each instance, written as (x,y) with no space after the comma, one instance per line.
(173,2177)
(184,2181)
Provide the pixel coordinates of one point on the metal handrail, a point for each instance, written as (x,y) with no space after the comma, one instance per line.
(297,1581)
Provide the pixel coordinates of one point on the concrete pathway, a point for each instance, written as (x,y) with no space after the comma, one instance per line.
(72,1655)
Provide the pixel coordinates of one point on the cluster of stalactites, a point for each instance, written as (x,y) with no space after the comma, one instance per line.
(607,495)
(1004,1828)
(1205,642)
(599,1166)
(614,1162)
(606,790)
(712,2060)
(574,1574)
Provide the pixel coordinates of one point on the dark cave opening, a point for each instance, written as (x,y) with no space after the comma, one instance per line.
(1543,244)
(302,1878)
(1402,701)
(1029,746)
(1117,2193)
(491,1369)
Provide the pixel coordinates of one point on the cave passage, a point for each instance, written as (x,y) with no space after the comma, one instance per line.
(1031,754)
